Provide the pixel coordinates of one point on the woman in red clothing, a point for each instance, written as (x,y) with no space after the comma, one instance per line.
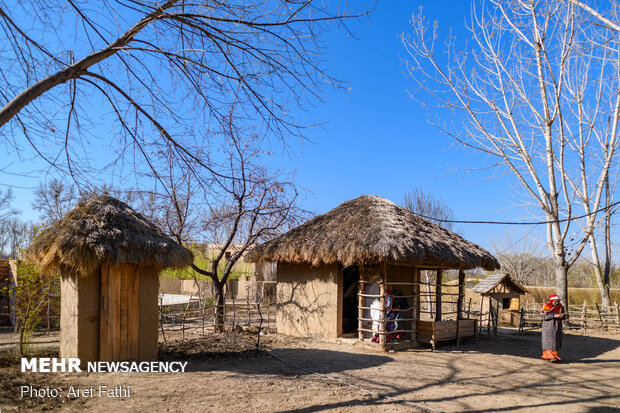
(552,315)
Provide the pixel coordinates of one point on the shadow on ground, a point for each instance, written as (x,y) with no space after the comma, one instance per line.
(576,348)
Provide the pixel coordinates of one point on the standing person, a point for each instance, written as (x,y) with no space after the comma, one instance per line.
(552,315)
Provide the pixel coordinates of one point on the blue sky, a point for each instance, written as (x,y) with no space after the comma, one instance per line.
(376,139)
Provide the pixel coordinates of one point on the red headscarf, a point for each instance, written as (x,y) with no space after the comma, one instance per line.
(550,308)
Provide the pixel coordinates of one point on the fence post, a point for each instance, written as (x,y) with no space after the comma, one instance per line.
(48,316)
(161,317)
(617,313)
(583,317)
(234,313)
(600,315)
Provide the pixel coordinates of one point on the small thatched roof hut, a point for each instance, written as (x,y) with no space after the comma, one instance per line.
(499,283)
(109,257)
(103,229)
(371,230)
(331,269)
(506,292)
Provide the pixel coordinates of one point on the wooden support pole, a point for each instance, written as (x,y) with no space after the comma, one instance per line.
(480,314)
(360,304)
(416,303)
(459,304)
(438,295)
(383,305)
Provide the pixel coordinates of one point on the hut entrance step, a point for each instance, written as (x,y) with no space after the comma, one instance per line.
(119,312)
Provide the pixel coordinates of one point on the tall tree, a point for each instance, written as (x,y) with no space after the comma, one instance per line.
(540,96)
(245,202)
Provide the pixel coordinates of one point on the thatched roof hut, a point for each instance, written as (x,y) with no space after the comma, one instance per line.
(497,283)
(109,257)
(370,230)
(334,268)
(103,229)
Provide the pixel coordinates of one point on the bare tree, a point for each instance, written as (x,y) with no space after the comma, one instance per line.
(519,258)
(539,94)
(436,210)
(161,74)
(15,235)
(430,207)
(54,199)
(240,204)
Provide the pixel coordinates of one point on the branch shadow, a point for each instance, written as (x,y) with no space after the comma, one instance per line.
(575,348)
(328,361)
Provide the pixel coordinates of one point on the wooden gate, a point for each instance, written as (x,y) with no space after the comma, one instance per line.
(119,312)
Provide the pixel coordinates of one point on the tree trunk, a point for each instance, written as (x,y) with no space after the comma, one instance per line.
(598,275)
(561,282)
(607,270)
(219,306)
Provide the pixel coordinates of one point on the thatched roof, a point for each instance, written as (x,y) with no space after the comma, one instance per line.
(103,229)
(369,230)
(493,280)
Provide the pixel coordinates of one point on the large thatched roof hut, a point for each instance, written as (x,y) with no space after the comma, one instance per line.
(109,257)
(363,245)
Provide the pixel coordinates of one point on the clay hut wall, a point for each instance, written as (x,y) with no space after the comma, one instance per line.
(308,300)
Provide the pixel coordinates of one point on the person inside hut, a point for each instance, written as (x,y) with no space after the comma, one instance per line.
(401,304)
(378,317)
(552,315)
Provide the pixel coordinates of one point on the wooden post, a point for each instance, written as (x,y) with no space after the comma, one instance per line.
(617,312)
(438,295)
(416,304)
(459,304)
(361,287)
(583,317)
(490,316)
(480,314)
(600,316)
(469,308)
(383,318)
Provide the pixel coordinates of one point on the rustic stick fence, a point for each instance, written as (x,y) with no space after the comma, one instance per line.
(582,317)
(422,305)
(199,316)
(49,318)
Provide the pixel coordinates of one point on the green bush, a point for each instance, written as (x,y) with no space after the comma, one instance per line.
(31,293)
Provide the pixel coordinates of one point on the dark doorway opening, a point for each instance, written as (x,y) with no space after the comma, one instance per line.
(350,280)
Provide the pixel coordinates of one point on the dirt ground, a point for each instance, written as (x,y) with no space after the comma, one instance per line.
(495,374)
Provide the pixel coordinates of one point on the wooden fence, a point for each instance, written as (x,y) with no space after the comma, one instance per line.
(198,316)
(581,317)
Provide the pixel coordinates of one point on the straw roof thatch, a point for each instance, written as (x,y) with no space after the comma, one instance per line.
(369,230)
(488,284)
(103,229)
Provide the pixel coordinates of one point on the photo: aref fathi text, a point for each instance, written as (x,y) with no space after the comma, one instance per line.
(76,392)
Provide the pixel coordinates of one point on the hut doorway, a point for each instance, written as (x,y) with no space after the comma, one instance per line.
(350,281)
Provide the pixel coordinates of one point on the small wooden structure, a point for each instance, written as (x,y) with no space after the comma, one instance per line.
(506,292)
(337,272)
(109,257)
